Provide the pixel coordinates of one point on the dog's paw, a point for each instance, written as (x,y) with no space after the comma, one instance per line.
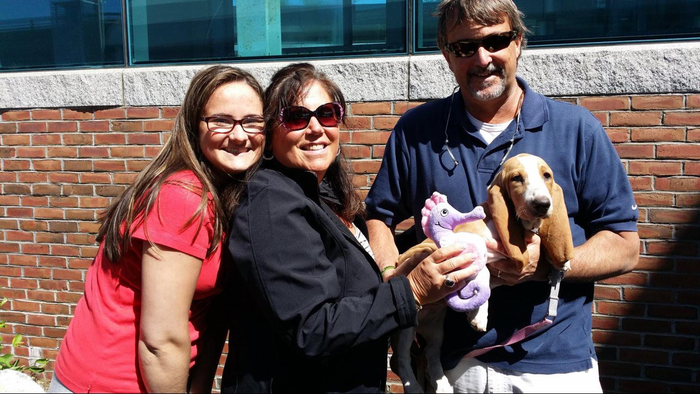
(444,386)
(479,324)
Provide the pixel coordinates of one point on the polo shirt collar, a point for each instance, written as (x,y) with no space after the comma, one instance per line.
(534,110)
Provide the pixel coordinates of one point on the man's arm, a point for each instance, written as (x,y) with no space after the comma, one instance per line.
(605,255)
(381,240)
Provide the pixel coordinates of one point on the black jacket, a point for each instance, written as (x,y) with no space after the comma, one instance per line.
(308,310)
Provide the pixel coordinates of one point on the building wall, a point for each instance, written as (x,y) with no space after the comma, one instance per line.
(71,141)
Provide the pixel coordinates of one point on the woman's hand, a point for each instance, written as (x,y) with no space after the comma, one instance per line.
(428,277)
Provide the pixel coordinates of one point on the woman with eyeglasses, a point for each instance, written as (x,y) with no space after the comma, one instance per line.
(309,311)
(141,324)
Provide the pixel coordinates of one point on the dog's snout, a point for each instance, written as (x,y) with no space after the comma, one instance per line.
(541,205)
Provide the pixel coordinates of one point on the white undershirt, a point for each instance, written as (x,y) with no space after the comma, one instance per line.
(488,131)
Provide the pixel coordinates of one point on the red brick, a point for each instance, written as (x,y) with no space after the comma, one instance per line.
(618,134)
(62,127)
(46,238)
(401,107)
(93,152)
(17,189)
(16,115)
(647,231)
(605,323)
(46,114)
(31,152)
(110,139)
(693,101)
(148,152)
(158,125)
(95,178)
(170,112)
(379,108)
(365,166)
(603,118)
(62,152)
(673,312)
(672,248)
(78,165)
(76,115)
(635,151)
(678,151)
(669,342)
(145,112)
(48,213)
(111,113)
(605,103)
(654,168)
(47,165)
(657,102)
(144,139)
(631,278)
(356,151)
(682,118)
(678,184)
(357,123)
(127,126)
(677,281)
(646,325)
(370,137)
(13,140)
(96,126)
(688,200)
(658,134)
(133,151)
(651,118)
(46,139)
(385,122)
(6,128)
(607,293)
(644,356)
(33,201)
(32,127)
(94,202)
(104,165)
(77,139)
(16,165)
(616,338)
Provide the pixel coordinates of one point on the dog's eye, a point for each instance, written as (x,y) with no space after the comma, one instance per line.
(547,176)
(517,178)
(444,212)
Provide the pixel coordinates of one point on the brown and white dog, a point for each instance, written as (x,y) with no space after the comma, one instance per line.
(523,197)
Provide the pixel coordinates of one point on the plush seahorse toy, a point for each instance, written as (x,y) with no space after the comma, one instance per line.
(439,220)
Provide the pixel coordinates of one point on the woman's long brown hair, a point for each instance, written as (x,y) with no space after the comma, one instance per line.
(181,152)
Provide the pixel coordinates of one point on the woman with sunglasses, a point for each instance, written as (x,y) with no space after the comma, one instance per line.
(309,310)
(141,325)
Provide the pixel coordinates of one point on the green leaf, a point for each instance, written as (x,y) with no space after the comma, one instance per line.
(2,323)
(5,360)
(41,362)
(3,301)
(17,340)
(36,369)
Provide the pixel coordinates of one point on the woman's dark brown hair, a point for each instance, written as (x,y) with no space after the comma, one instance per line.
(288,87)
(180,153)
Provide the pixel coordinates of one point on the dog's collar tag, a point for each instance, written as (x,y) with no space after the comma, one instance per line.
(555,278)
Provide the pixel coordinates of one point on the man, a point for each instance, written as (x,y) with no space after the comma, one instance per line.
(456,146)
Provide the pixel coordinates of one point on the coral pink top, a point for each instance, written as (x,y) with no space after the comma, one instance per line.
(99,351)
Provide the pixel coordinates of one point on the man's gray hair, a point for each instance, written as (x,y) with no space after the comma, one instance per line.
(451,13)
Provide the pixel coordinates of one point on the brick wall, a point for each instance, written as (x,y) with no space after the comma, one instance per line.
(61,167)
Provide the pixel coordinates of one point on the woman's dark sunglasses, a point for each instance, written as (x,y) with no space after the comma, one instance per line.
(492,43)
(297,118)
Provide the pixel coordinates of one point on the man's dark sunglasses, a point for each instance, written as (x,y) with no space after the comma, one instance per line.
(297,118)
(492,43)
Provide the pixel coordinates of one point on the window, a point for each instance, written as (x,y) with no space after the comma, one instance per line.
(576,22)
(169,31)
(41,34)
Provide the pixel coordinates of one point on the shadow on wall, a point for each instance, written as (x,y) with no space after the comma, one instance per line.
(646,326)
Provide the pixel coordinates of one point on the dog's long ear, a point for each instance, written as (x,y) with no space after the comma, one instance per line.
(504,219)
(556,232)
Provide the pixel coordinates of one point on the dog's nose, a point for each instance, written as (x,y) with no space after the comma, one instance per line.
(541,204)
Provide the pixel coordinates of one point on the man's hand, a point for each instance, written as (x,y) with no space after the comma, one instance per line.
(504,271)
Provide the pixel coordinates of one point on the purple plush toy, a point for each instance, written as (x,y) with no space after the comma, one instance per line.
(438,222)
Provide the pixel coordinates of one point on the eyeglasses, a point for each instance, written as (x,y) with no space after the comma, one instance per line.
(297,118)
(492,43)
(224,124)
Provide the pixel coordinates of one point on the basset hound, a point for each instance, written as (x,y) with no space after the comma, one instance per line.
(522,197)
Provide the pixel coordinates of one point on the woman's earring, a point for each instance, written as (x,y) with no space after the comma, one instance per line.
(267,155)
(338,154)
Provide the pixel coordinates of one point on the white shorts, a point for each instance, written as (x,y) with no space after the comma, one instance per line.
(473,376)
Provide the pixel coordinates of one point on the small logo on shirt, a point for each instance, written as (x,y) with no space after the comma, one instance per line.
(634,207)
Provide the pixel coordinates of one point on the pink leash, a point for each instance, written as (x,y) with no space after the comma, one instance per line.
(554,282)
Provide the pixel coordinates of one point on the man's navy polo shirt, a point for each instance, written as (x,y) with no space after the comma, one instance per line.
(597,193)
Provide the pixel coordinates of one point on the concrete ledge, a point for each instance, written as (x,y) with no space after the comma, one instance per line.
(617,69)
